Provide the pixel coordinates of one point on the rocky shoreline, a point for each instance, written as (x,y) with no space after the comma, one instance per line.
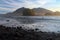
(12,33)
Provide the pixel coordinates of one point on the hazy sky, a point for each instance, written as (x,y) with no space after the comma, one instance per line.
(11,5)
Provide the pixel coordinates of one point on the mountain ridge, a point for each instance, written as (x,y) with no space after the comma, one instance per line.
(38,12)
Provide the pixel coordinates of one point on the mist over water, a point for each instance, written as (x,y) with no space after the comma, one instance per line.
(43,23)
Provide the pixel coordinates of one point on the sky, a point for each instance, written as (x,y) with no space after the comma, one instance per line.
(11,5)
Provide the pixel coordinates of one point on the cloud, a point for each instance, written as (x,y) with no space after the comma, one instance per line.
(1,8)
(14,4)
(54,9)
(26,3)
